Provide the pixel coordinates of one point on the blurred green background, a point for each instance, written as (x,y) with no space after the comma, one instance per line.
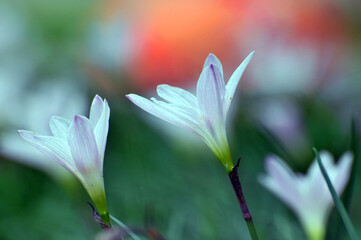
(300,90)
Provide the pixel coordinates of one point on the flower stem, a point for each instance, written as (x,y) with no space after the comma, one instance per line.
(125,227)
(233,176)
(105,217)
(98,218)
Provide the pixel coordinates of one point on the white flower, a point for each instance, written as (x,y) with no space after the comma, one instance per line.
(204,114)
(308,195)
(79,146)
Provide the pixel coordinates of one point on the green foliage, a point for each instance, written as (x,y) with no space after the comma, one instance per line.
(338,203)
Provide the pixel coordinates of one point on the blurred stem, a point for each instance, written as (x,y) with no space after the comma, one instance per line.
(233,176)
(125,227)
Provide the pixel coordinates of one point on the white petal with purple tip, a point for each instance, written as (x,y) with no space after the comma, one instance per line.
(210,94)
(82,144)
(212,59)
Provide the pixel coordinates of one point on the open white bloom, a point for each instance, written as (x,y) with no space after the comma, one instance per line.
(79,147)
(307,194)
(204,114)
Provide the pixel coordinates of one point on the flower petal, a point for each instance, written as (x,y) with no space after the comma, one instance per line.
(343,172)
(314,181)
(181,116)
(53,147)
(83,146)
(101,130)
(314,174)
(210,94)
(233,82)
(96,110)
(59,126)
(177,96)
(212,59)
(283,177)
(273,186)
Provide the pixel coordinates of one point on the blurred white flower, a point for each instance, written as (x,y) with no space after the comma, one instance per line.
(12,31)
(32,109)
(109,44)
(308,195)
(281,72)
(204,114)
(284,119)
(79,147)
(292,65)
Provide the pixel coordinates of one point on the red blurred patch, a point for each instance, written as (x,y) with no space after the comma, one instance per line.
(177,36)
(172,38)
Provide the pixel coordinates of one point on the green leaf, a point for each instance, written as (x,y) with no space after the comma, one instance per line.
(335,229)
(355,144)
(339,206)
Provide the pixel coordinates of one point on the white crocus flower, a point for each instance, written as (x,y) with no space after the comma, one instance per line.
(204,114)
(307,194)
(79,147)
